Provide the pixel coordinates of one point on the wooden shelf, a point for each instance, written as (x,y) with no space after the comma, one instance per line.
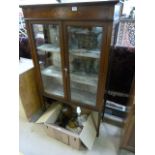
(85,53)
(48,48)
(75,77)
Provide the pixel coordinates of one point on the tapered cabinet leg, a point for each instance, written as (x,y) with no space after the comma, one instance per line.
(99,122)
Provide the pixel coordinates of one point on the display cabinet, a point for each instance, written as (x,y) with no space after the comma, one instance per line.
(70,48)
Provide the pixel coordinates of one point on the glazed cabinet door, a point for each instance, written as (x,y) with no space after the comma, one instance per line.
(84,47)
(49,57)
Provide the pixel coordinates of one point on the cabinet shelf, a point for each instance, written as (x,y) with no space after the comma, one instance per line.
(85,79)
(75,77)
(51,71)
(85,53)
(77,95)
(54,90)
(83,96)
(48,48)
(85,32)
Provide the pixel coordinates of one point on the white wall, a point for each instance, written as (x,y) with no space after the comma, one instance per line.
(24,2)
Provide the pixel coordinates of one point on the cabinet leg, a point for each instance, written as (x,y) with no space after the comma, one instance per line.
(99,122)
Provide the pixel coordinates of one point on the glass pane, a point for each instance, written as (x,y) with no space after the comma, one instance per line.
(48,50)
(84,57)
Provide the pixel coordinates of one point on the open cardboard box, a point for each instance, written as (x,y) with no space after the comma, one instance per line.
(86,136)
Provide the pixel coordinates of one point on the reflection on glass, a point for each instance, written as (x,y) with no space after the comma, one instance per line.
(84,56)
(48,50)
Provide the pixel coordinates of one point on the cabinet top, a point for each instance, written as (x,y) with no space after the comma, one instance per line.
(92,3)
(94,10)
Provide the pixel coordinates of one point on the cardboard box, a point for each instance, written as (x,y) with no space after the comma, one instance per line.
(87,135)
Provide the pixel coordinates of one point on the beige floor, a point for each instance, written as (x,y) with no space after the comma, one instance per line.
(33,141)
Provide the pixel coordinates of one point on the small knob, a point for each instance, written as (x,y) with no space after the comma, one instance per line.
(65,69)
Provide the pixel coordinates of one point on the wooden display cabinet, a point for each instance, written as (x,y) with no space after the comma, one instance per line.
(70,48)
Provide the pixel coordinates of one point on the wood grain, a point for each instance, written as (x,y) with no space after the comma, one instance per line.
(29,94)
(85,11)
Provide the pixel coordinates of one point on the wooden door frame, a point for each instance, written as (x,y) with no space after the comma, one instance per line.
(35,57)
(65,58)
(103,65)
